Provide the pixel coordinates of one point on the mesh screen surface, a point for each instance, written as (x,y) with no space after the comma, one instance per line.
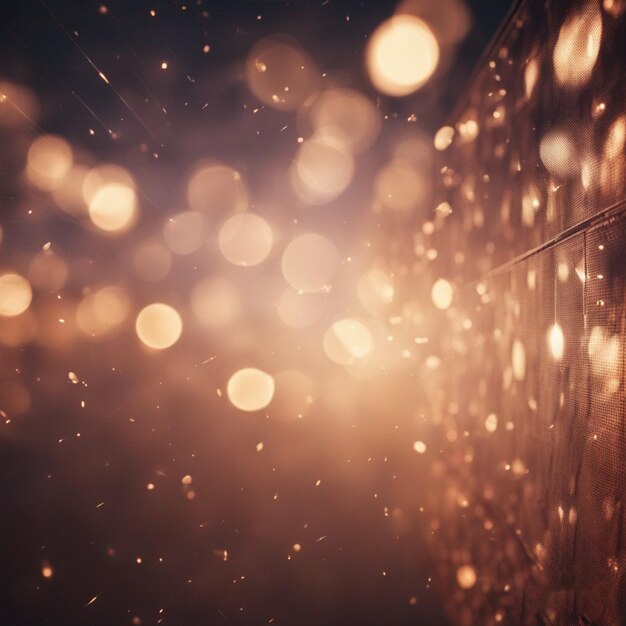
(527,517)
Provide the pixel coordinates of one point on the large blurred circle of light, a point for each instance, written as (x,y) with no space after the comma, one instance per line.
(348,341)
(322,170)
(245,239)
(347,116)
(556,341)
(215,302)
(400,187)
(113,208)
(450,20)
(375,291)
(309,263)
(577,47)
(466,576)
(69,195)
(152,261)
(15,294)
(442,294)
(102,175)
(100,312)
(185,232)
(48,271)
(49,160)
(402,55)
(159,326)
(300,310)
(217,189)
(250,389)
(280,74)
(559,154)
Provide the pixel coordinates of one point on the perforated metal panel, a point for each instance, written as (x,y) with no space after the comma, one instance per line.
(531,493)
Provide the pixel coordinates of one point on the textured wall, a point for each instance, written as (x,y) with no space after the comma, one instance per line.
(527,509)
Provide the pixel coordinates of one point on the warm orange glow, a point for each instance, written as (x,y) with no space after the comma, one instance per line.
(113,208)
(309,263)
(158,326)
(578,46)
(348,341)
(402,55)
(49,161)
(246,239)
(442,294)
(250,389)
(217,189)
(15,294)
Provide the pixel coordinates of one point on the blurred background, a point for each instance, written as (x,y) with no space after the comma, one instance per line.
(221,316)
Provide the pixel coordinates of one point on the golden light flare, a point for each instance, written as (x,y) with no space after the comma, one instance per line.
(442,294)
(159,326)
(49,160)
(113,208)
(578,45)
(245,239)
(518,360)
(466,576)
(280,74)
(250,389)
(68,196)
(15,294)
(443,137)
(309,263)
(217,189)
(402,54)
(348,341)
(185,232)
(346,116)
(322,170)
(100,312)
(400,187)
(556,341)
(559,153)
(215,302)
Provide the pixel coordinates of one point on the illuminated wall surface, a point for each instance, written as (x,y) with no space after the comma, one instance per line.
(275,350)
(533,471)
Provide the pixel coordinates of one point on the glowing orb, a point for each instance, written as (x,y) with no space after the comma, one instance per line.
(245,239)
(15,294)
(348,341)
(466,576)
(158,326)
(185,232)
(250,389)
(309,263)
(49,161)
(577,47)
(402,55)
(556,342)
(442,294)
(113,207)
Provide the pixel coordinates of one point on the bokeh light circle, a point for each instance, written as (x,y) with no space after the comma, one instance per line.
(250,389)
(159,326)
